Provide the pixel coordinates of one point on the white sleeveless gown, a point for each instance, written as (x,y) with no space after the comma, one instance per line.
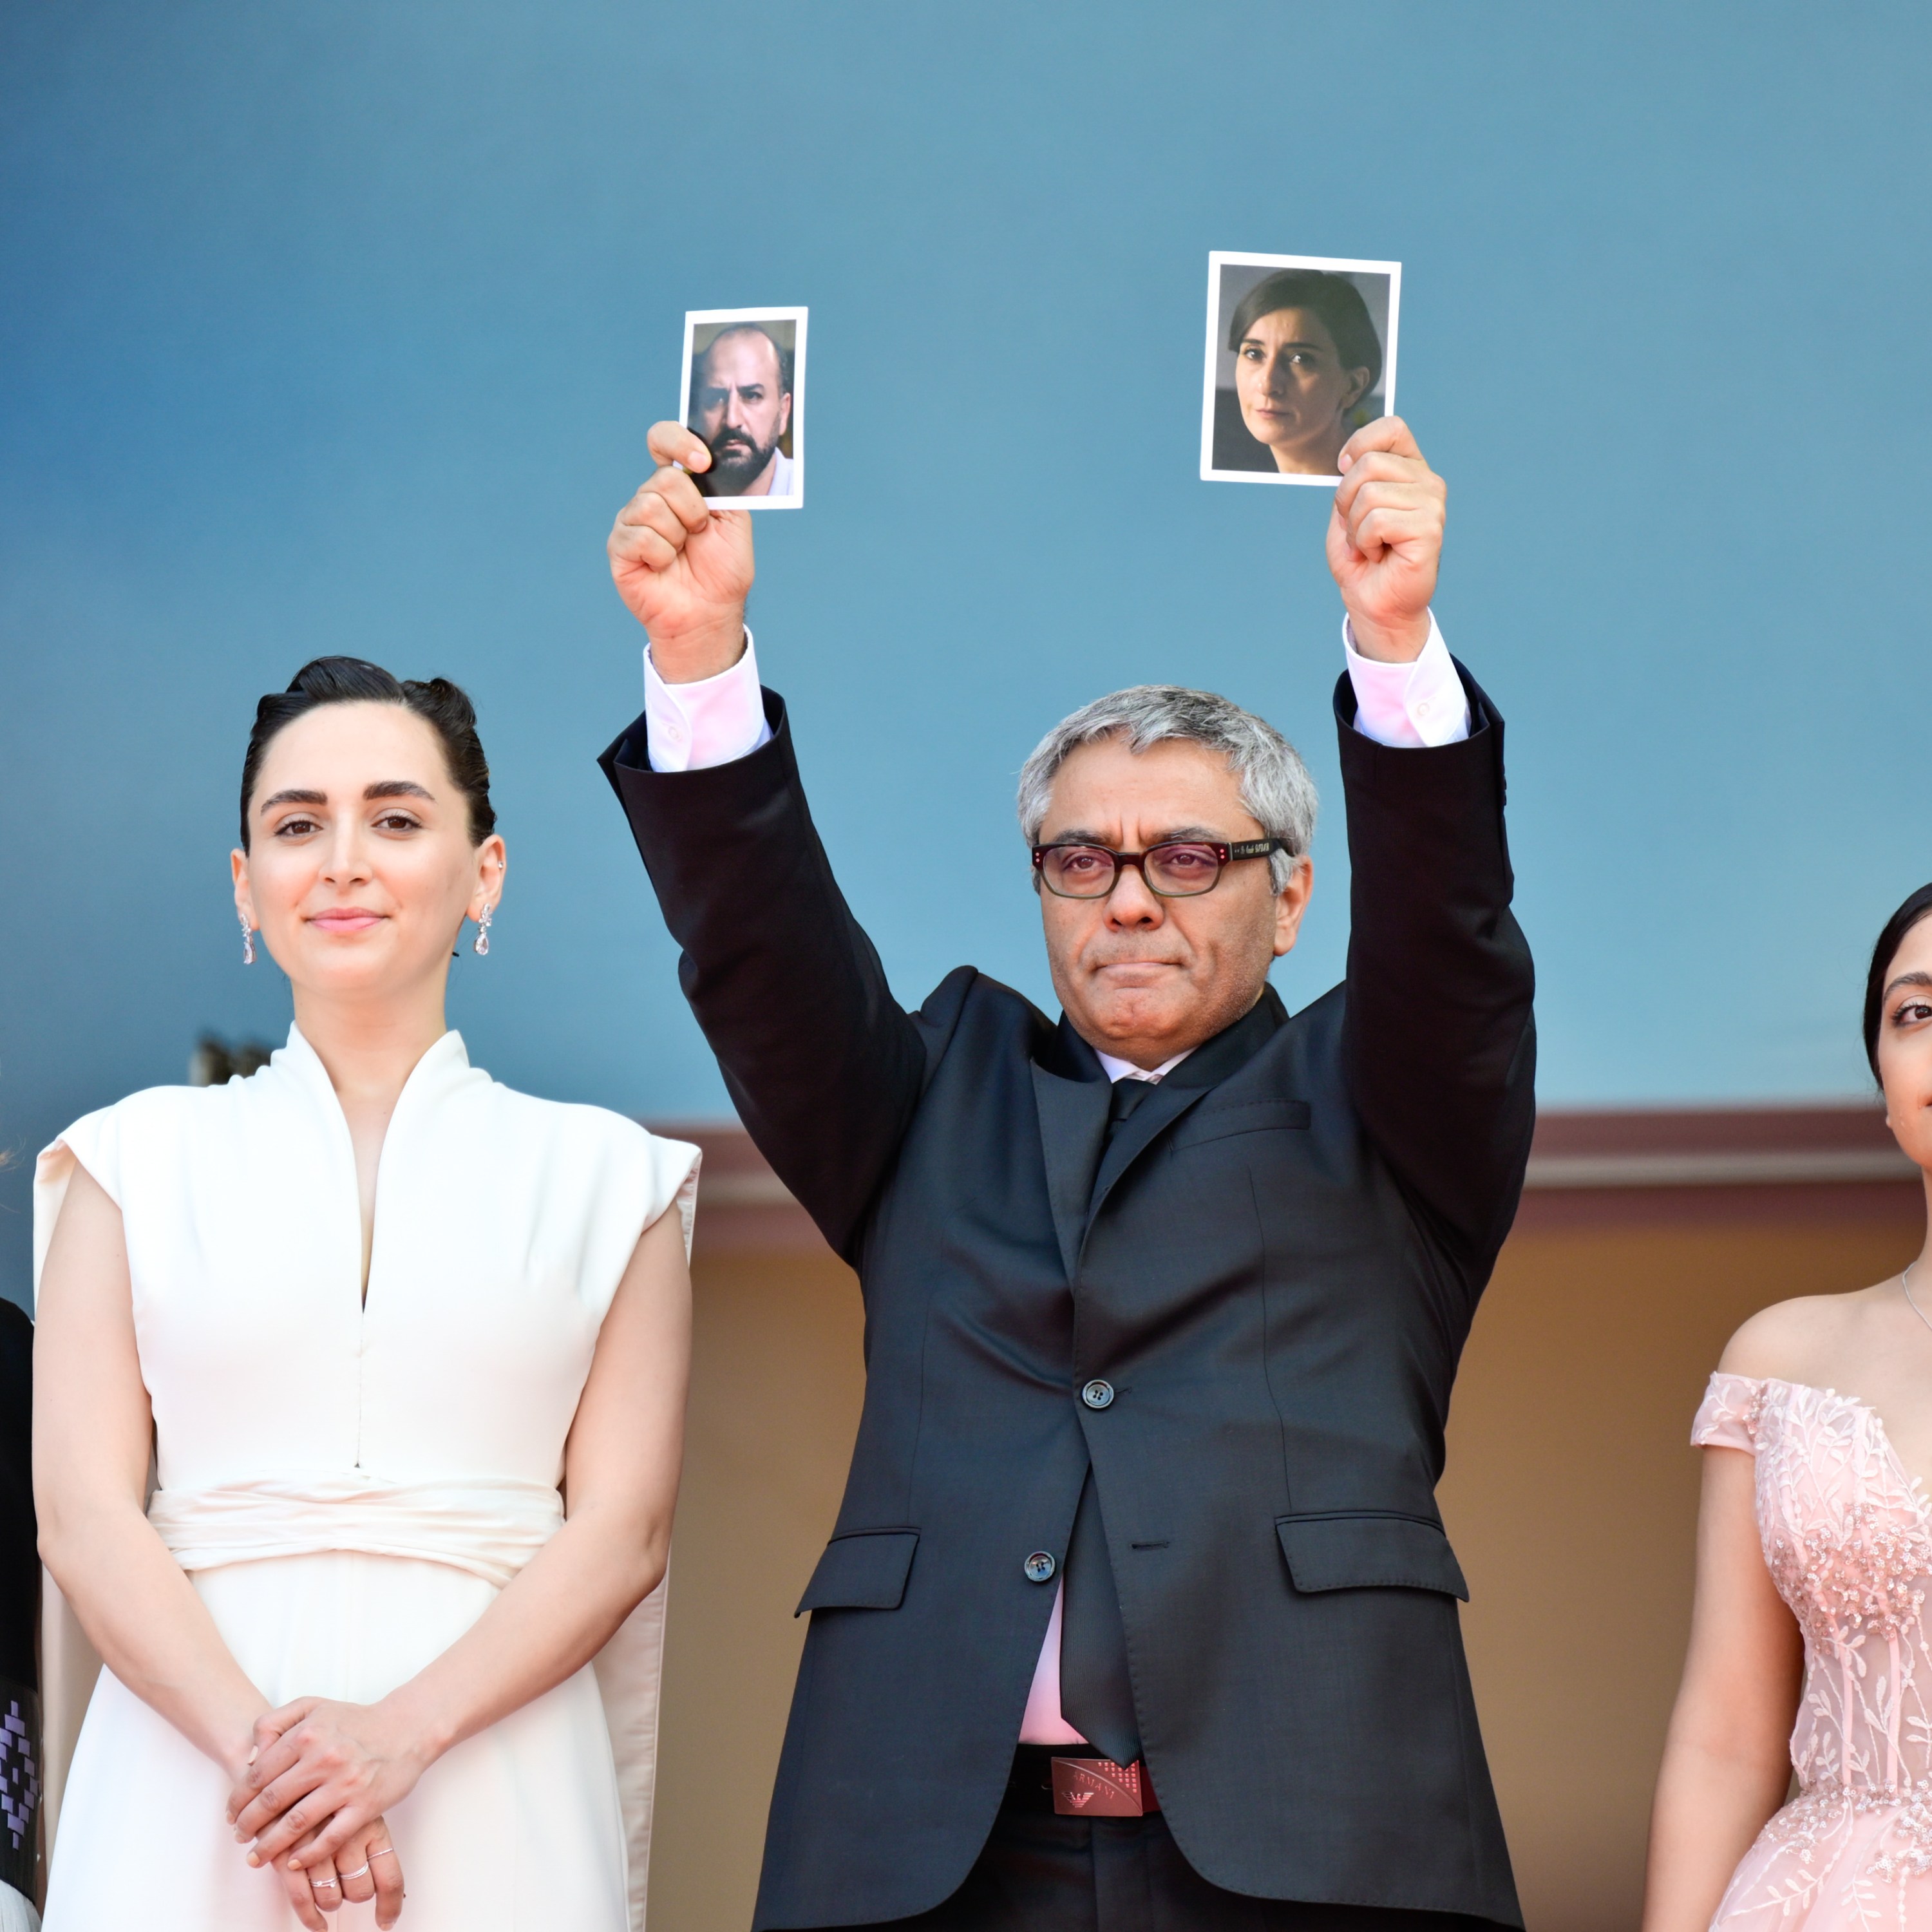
(350,1483)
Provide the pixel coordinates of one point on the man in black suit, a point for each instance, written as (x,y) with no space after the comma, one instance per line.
(1138,1615)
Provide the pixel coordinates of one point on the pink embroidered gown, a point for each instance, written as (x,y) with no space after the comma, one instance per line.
(1847,1536)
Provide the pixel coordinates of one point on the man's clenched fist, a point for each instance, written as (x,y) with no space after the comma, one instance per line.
(683,568)
(1385,539)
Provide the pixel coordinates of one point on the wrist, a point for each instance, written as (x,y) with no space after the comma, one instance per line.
(421,1731)
(691,656)
(233,1746)
(1399,642)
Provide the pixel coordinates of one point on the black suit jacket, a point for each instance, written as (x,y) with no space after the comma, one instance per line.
(1275,1272)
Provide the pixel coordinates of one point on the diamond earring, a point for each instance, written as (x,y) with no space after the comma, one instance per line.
(247,940)
(482,945)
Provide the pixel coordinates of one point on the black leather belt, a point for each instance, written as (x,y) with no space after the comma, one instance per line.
(1047,1778)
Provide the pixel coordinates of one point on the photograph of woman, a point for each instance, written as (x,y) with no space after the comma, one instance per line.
(1809,1663)
(408,1351)
(1296,363)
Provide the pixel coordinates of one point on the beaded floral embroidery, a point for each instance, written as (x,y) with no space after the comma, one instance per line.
(1847,1536)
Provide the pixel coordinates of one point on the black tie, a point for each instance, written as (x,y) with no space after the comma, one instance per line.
(1128,1093)
(1096,1695)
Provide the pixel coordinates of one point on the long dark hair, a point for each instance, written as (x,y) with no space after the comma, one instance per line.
(443,706)
(1901,922)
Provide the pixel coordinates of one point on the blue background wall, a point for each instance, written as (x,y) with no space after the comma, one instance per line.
(338,327)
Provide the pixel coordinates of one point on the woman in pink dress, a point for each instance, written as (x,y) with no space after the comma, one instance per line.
(1809,1650)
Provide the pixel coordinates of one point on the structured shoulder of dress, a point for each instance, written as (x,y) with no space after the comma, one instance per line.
(160,1106)
(572,1117)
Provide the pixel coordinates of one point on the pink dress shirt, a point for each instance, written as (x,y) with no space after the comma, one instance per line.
(717,719)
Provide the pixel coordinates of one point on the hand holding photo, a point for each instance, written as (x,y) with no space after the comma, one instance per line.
(744,394)
(1300,355)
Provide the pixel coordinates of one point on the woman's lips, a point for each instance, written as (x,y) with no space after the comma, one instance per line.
(348,919)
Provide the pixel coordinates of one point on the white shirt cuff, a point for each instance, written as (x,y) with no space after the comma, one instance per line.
(1414,704)
(691,728)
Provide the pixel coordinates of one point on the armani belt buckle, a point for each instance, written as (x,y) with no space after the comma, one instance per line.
(1097,1787)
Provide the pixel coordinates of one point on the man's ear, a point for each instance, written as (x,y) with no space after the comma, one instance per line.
(1290,903)
(784,412)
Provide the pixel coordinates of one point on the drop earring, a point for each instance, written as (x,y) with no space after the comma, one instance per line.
(482,946)
(247,940)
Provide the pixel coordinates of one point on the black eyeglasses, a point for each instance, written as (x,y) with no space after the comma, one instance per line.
(1182,869)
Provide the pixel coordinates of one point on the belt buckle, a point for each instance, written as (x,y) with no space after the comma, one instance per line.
(1097,1787)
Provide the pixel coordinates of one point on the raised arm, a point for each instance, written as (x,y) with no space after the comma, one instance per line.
(1440,1037)
(823,1065)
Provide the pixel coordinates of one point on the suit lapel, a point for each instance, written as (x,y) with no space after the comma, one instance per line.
(1073,1130)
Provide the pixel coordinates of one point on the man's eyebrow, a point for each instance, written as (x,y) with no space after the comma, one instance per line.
(398,788)
(1182,835)
(293,797)
(1909,980)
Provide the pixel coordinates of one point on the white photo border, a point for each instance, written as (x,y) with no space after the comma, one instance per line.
(1220,258)
(694,320)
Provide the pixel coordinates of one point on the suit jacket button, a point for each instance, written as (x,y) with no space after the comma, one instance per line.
(1039,1567)
(1097,1394)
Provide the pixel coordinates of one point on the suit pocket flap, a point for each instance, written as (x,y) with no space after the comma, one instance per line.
(866,1570)
(1248,1117)
(1369,1552)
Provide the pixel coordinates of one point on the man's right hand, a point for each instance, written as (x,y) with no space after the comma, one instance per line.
(682,567)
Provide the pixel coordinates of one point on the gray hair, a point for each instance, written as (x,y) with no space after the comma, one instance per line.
(1276,789)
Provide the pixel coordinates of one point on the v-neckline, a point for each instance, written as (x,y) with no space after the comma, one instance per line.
(1915,1487)
(428,1062)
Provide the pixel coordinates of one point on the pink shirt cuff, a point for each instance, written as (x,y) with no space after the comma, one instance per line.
(1411,705)
(692,726)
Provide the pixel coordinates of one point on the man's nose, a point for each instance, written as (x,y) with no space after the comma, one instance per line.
(734,408)
(1131,904)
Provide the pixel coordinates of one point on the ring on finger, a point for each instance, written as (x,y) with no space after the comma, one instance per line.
(360,1871)
(386,1851)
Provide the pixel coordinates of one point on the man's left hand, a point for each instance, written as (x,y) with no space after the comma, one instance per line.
(1385,539)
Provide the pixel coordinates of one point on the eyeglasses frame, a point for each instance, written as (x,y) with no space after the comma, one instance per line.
(1226,851)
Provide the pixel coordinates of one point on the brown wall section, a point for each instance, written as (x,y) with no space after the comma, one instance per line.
(1570,1495)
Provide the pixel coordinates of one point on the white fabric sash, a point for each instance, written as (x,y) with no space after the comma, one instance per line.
(491,1529)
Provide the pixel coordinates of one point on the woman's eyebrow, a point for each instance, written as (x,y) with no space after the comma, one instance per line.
(1909,980)
(293,797)
(398,788)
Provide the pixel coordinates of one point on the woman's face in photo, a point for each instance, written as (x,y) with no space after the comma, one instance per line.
(360,870)
(1295,393)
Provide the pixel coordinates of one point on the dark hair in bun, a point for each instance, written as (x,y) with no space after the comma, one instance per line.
(443,706)
(1901,922)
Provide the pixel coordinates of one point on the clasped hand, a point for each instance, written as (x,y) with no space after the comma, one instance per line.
(311,1799)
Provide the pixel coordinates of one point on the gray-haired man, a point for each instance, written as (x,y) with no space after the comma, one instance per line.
(1138,1616)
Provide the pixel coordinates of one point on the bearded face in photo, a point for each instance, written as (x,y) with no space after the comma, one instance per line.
(742,409)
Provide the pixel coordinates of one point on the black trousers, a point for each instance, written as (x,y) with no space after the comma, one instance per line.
(1039,1873)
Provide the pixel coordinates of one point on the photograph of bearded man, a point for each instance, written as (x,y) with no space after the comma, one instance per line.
(743,389)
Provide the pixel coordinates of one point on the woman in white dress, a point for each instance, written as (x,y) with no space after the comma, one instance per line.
(408,1352)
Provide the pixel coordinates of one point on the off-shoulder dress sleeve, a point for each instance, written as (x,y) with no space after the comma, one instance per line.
(1727,1418)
